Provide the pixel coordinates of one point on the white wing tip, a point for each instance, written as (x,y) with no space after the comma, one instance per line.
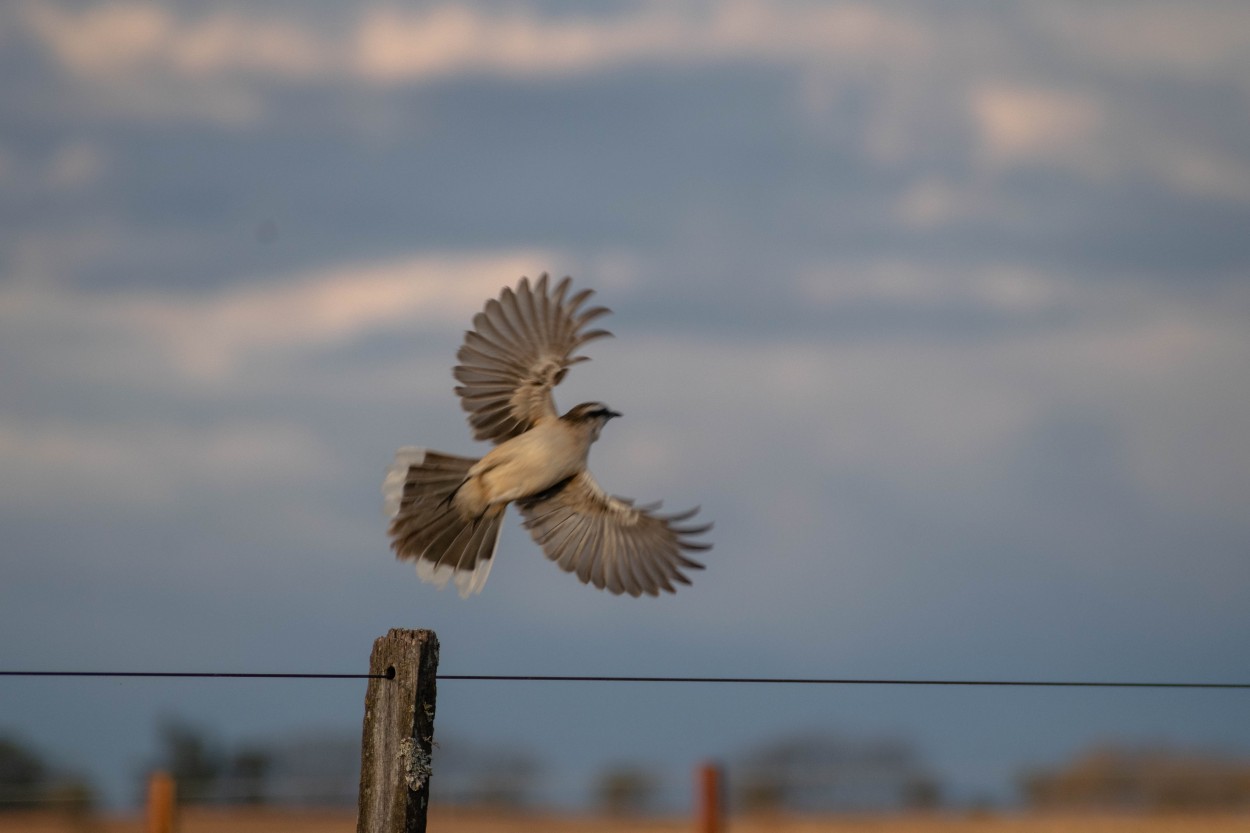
(393,484)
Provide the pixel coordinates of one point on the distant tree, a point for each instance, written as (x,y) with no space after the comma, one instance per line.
(73,796)
(761,791)
(921,792)
(494,776)
(195,761)
(23,776)
(625,789)
(27,782)
(316,769)
(1155,778)
(506,780)
(817,772)
(248,773)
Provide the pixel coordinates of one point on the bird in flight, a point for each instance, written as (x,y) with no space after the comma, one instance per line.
(445,511)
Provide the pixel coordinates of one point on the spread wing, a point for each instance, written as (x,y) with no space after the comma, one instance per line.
(608,541)
(520,347)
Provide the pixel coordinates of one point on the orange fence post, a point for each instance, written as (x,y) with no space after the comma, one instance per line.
(161,794)
(709,820)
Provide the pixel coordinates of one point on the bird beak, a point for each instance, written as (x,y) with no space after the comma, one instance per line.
(612,414)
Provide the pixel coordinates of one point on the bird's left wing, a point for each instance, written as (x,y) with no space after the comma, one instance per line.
(608,541)
(520,347)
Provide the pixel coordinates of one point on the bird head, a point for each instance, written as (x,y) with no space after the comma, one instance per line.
(592,415)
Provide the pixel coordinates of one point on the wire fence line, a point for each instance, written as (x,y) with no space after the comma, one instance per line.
(552,678)
(844,681)
(263,675)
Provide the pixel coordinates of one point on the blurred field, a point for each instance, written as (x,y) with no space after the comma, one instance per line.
(473,821)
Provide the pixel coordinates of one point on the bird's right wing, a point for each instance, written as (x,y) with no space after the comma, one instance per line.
(520,347)
(608,541)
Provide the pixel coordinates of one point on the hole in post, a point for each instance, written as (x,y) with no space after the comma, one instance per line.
(390,672)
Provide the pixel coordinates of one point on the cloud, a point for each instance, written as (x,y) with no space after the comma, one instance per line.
(75,165)
(114,38)
(908,86)
(210,352)
(1007,288)
(62,464)
(944,419)
(857,463)
(394,46)
(211,337)
(387,45)
(1074,129)
(140,59)
(1023,124)
(1201,41)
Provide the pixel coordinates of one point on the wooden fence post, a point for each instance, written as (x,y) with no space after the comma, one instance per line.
(710,806)
(161,792)
(398,733)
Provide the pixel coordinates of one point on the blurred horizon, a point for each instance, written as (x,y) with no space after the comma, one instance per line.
(937,310)
(812,773)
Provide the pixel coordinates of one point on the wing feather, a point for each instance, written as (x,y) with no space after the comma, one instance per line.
(521,345)
(579,539)
(609,542)
(627,580)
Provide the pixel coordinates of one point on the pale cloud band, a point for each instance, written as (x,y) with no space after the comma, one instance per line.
(211,336)
(388,45)
(932,75)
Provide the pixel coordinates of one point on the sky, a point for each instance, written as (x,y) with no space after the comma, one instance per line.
(938,311)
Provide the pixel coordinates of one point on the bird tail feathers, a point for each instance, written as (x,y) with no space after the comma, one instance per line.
(427,525)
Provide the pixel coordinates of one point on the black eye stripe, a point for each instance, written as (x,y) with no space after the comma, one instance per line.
(591,410)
